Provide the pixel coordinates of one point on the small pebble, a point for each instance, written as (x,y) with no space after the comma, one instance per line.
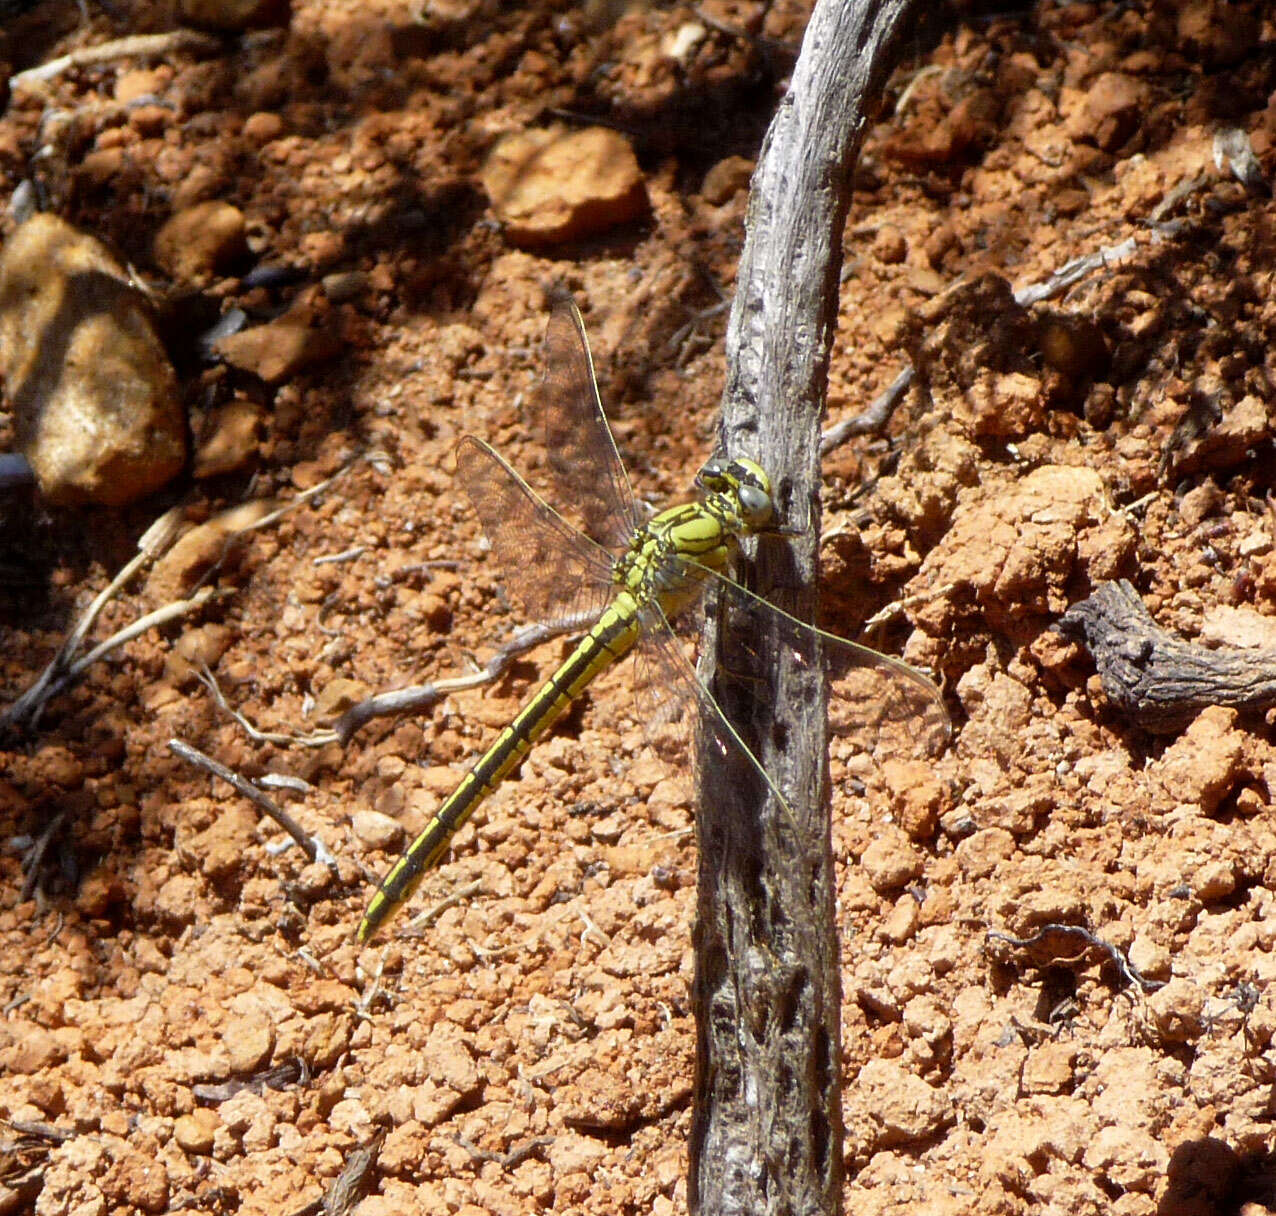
(194,1133)
(377,831)
(1177,1011)
(202,241)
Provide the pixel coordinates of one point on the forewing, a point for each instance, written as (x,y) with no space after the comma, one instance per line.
(590,484)
(879,707)
(559,575)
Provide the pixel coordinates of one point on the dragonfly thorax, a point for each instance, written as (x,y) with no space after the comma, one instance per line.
(670,557)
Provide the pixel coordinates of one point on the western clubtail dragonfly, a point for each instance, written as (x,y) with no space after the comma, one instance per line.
(629,579)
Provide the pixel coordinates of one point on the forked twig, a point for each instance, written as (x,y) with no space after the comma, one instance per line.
(318,738)
(64,670)
(161,616)
(25,711)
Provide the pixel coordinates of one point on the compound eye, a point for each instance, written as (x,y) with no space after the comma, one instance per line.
(710,475)
(755,502)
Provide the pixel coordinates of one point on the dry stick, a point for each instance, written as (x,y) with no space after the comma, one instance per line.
(420,696)
(318,738)
(767,1124)
(507,1160)
(312,846)
(43,1131)
(152,543)
(299,500)
(1129,971)
(138,46)
(62,672)
(874,419)
(293,1071)
(1073,272)
(161,616)
(423,920)
(24,713)
(1157,679)
(347,1188)
(401,700)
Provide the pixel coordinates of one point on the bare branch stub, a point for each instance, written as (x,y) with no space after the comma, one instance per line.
(1156,678)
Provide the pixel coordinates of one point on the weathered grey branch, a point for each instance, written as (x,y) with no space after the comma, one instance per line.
(1159,680)
(767,1130)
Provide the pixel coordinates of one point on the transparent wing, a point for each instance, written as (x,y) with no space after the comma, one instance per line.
(879,706)
(559,574)
(590,484)
(672,702)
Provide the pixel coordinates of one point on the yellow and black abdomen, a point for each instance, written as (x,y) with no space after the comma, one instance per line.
(609,640)
(667,562)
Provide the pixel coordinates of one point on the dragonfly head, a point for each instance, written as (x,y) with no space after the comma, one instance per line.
(745,483)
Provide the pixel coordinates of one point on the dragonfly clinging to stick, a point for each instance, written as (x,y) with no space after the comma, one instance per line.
(630,578)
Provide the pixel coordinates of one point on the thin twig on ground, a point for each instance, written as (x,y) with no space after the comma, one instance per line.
(43,1131)
(507,1160)
(347,555)
(64,670)
(1128,970)
(318,738)
(25,712)
(293,1071)
(137,46)
(312,846)
(874,419)
(347,1187)
(422,921)
(420,696)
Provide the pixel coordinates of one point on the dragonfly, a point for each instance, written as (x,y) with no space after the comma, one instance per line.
(594,559)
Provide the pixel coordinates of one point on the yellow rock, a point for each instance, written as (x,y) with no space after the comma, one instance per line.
(552,185)
(94,396)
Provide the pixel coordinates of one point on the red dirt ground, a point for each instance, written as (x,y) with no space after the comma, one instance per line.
(528,1045)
